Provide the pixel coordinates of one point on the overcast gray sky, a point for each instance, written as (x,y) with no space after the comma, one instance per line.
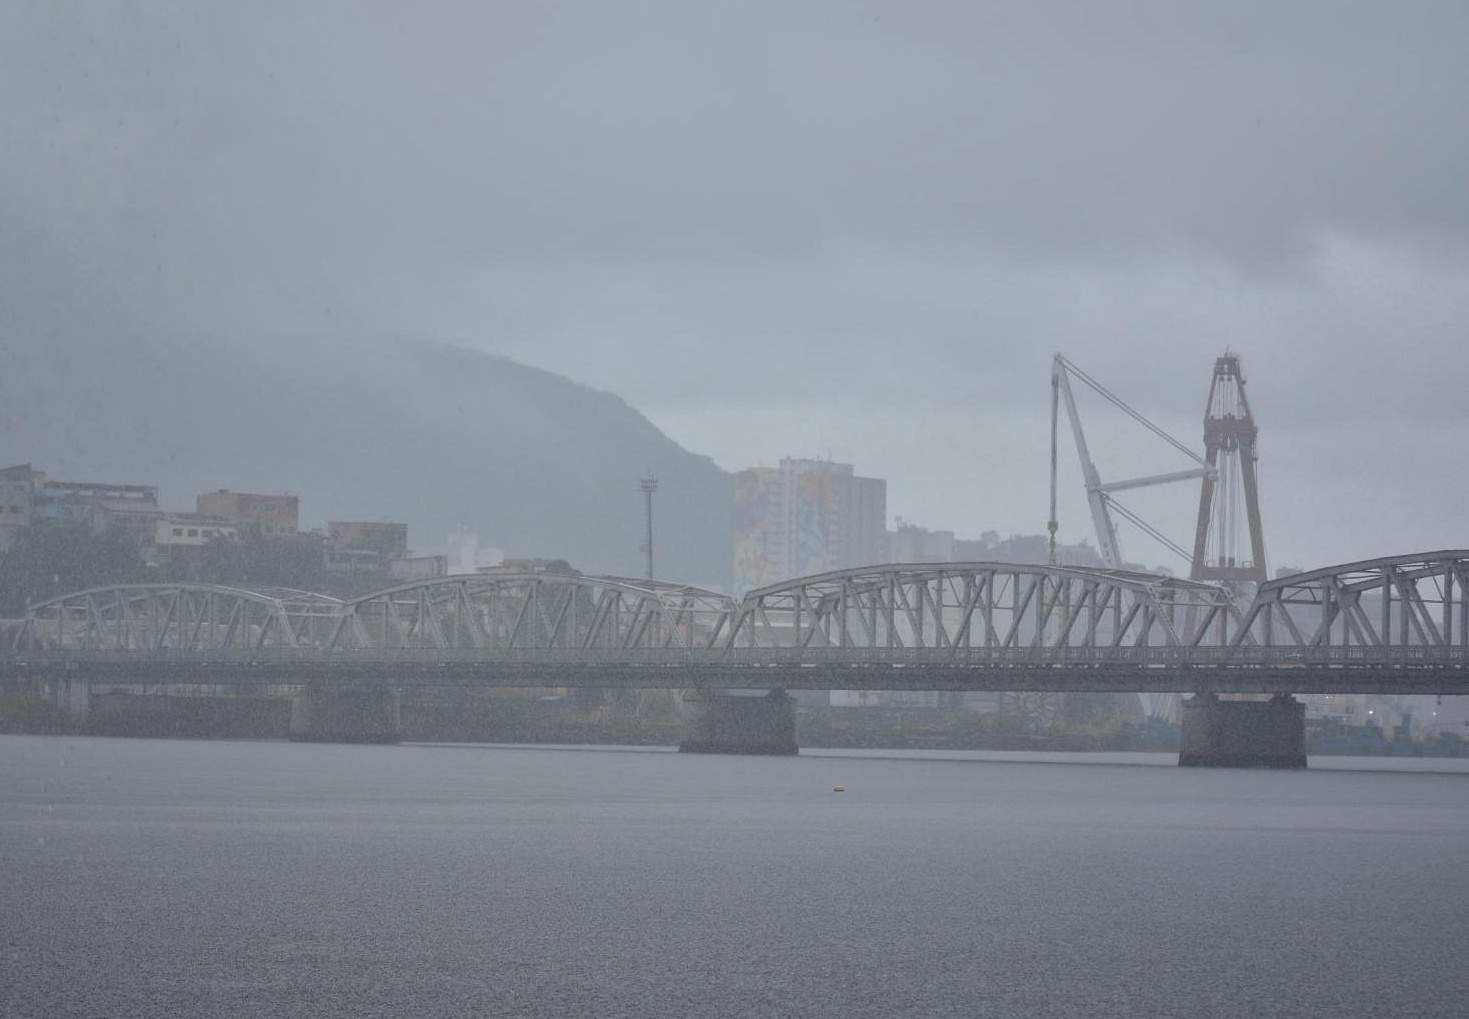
(849,228)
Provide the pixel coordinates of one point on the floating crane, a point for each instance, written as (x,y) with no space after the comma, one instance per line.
(1228,476)
(1227,473)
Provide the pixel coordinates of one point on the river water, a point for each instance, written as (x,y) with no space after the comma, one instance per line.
(268,879)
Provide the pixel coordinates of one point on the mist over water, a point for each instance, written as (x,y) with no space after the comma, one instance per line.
(217,878)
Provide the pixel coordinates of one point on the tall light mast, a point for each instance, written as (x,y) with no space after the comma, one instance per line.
(1051,523)
(648,485)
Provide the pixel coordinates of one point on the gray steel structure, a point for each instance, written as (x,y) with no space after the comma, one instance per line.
(951,626)
(1413,601)
(1230,435)
(1101,496)
(973,609)
(178,617)
(509,612)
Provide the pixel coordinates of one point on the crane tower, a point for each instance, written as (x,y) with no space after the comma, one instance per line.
(1229,542)
(1230,493)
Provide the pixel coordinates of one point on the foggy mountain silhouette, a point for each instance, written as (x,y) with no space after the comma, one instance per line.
(360,428)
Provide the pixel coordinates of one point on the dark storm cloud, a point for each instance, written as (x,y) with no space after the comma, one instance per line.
(856,227)
(525,131)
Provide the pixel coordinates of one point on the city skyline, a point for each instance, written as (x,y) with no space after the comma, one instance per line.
(1116,442)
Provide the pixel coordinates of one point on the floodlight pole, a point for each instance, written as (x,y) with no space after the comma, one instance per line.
(1051,524)
(649,485)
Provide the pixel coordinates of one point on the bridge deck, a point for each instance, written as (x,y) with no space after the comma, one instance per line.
(1161,670)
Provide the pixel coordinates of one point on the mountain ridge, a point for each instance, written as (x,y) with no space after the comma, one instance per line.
(436,435)
(95,386)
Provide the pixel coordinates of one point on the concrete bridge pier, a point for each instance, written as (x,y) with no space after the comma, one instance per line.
(330,713)
(1243,734)
(73,696)
(732,724)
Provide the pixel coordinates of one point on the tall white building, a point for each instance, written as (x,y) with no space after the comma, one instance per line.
(465,554)
(805,517)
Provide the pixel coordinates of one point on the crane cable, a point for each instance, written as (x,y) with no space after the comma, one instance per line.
(1121,405)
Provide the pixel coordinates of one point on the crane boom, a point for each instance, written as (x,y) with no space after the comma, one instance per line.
(1098,493)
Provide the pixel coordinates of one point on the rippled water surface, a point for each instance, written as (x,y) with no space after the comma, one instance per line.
(225,879)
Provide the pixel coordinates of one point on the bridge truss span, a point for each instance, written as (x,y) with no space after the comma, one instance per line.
(1397,603)
(177,617)
(1394,625)
(533,612)
(977,610)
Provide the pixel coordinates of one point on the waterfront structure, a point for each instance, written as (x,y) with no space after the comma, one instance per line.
(18,486)
(90,502)
(467,554)
(271,515)
(28,496)
(132,518)
(803,517)
(351,561)
(1027,548)
(1347,708)
(909,543)
(421,567)
(176,534)
(372,546)
(387,538)
(516,567)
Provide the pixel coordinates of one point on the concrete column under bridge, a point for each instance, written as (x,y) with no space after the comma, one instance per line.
(725,723)
(331,713)
(1243,734)
(73,696)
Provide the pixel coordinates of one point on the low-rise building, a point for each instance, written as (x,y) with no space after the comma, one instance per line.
(272,515)
(98,505)
(350,561)
(28,497)
(176,533)
(137,522)
(387,538)
(422,567)
(531,566)
(373,546)
(18,486)
(91,502)
(910,543)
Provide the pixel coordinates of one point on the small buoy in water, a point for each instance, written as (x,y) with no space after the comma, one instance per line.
(838,788)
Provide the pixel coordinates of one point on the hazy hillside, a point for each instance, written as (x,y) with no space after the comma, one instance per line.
(368,427)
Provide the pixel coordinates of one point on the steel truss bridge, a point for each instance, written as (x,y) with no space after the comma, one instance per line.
(1394,625)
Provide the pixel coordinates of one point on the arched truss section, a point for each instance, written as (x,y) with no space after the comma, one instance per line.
(191,617)
(978,607)
(534,611)
(313,616)
(1415,600)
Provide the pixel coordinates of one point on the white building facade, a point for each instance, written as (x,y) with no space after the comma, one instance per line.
(805,517)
